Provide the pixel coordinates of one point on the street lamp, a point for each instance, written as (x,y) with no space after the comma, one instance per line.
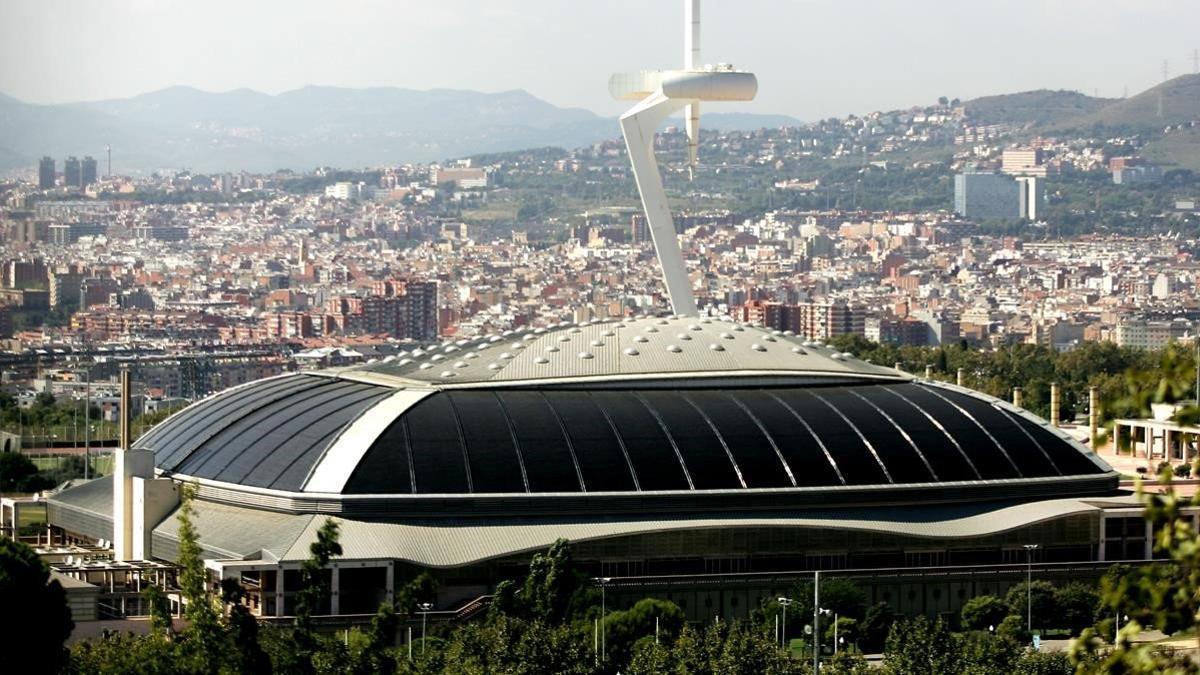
(1029,549)
(785,603)
(424,607)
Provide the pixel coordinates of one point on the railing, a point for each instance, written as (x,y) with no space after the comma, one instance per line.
(473,608)
(107,611)
(882,572)
(467,612)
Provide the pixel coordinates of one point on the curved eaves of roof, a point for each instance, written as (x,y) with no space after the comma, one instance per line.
(461,544)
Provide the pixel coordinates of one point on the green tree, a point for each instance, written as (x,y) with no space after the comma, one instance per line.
(314,589)
(19,474)
(126,653)
(875,627)
(650,657)
(918,646)
(624,628)
(1013,628)
(1047,663)
(551,583)
(36,619)
(984,612)
(1164,596)
(422,588)
(1076,605)
(247,655)
(846,662)
(203,631)
(747,648)
(983,653)
(161,621)
(1040,596)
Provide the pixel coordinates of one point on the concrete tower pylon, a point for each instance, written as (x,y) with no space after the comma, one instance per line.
(659,93)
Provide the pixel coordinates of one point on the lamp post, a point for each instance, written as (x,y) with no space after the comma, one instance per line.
(835,635)
(87,435)
(424,607)
(816,622)
(784,603)
(1029,549)
(603,613)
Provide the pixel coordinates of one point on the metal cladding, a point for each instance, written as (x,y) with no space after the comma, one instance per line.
(709,86)
(666,409)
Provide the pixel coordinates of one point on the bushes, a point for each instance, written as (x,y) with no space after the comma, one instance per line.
(984,612)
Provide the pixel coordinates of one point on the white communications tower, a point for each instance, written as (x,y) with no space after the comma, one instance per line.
(659,94)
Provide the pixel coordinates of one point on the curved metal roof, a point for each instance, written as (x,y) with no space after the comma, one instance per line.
(660,408)
(631,349)
(693,439)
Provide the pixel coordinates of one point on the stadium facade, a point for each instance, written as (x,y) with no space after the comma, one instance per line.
(696,459)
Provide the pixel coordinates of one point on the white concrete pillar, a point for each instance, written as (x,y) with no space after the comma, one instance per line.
(127,464)
(1149,552)
(1103,539)
(1018,397)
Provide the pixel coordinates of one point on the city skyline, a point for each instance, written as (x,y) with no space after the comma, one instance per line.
(503,46)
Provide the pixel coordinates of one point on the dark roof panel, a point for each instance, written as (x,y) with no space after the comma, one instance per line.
(495,465)
(602,458)
(577,440)
(257,435)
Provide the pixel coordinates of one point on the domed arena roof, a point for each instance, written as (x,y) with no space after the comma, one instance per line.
(638,414)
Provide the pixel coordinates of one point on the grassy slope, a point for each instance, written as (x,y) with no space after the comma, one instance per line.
(1041,107)
(1180,103)
(1178,149)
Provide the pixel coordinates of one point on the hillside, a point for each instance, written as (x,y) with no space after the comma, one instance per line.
(1180,103)
(1179,149)
(183,127)
(1040,107)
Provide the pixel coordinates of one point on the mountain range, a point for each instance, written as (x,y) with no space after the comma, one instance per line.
(182,127)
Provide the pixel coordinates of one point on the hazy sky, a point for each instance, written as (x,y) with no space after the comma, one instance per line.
(813,58)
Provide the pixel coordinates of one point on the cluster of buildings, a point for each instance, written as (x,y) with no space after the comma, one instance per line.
(76,173)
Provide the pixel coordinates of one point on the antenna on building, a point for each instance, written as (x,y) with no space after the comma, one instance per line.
(1165,71)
